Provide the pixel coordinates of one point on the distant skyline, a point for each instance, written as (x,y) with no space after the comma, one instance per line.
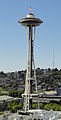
(13,42)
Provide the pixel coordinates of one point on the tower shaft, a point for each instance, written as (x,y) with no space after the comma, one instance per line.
(30,74)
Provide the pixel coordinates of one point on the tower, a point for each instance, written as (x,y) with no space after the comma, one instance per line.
(30,23)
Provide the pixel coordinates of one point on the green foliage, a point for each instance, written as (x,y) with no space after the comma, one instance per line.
(41,105)
(0,93)
(14,108)
(1,107)
(15,93)
(59,107)
(52,106)
(1,113)
(34,105)
(14,105)
(46,107)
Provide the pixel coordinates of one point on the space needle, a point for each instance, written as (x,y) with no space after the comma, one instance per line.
(30,23)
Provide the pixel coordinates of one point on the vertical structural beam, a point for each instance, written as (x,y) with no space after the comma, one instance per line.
(31,55)
(33,59)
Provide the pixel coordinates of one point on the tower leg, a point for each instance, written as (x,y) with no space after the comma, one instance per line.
(31,56)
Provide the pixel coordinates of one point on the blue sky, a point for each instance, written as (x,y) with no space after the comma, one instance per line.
(13,43)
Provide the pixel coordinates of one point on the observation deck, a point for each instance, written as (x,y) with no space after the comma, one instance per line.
(30,20)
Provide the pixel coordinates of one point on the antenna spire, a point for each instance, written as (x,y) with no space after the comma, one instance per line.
(30,9)
(29,2)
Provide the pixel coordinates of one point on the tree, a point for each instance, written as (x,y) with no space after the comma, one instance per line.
(15,93)
(41,105)
(34,105)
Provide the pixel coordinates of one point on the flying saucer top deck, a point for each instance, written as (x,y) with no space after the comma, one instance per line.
(30,20)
